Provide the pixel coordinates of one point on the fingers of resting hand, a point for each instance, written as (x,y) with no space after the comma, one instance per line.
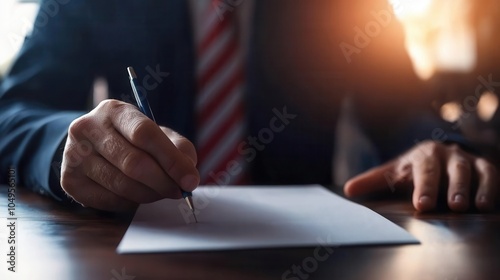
(421,164)
(488,184)
(426,179)
(108,176)
(89,194)
(373,180)
(427,169)
(459,180)
(147,135)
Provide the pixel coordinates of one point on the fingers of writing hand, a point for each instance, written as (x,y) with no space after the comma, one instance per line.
(130,160)
(90,194)
(114,117)
(108,176)
(144,134)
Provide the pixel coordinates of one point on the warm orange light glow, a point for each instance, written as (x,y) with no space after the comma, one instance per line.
(451,111)
(439,36)
(487,106)
(409,8)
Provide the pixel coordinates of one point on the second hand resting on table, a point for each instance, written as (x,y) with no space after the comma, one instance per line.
(116,158)
(469,180)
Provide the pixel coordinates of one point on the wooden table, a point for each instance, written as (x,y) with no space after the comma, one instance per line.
(60,242)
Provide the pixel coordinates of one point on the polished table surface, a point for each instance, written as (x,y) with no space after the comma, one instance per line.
(60,242)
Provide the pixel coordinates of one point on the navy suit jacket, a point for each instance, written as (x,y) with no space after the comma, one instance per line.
(296,63)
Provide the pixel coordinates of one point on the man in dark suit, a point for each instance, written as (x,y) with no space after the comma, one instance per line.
(301,59)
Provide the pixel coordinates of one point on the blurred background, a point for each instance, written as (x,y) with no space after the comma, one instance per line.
(16,21)
(452,44)
(453,47)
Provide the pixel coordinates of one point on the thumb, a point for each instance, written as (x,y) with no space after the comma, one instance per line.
(374,180)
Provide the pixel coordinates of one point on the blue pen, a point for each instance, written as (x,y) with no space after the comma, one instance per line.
(143,104)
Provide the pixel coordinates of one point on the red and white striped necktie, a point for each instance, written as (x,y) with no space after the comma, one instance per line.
(219,102)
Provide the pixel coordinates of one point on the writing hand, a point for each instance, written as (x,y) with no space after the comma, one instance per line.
(115,158)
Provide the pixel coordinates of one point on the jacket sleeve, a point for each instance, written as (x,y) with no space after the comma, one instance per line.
(44,91)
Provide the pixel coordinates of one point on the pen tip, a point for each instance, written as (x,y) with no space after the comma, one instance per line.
(131,72)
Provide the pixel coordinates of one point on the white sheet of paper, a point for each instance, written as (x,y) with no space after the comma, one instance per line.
(258,217)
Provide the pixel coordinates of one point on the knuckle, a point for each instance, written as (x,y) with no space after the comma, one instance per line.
(486,166)
(434,148)
(433,160)
(131,163)
(455,148)
(80,124)
(99,171)
(111,179)
(112,146)
(424,150)
(417,156)
(139,131)
(69,149)
(404,159)
(428,149)
(429,161)
(430,171)
(113,108)
(402,167)
(462,165)
(126,112)
(109,104)
(429,144)
(71,158)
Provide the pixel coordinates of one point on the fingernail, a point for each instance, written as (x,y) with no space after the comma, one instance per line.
(483,199)
(458,198)
(189,182)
